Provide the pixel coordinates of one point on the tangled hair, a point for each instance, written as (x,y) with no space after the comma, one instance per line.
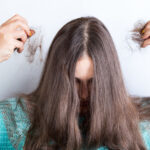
(137,32)
(113,118)
(134,39)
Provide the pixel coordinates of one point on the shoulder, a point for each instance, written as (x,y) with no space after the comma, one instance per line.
(14,123)
(145,132)
(7,102)
(4,140)
(12,108)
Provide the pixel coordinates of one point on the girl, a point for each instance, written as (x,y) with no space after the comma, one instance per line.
(81,101)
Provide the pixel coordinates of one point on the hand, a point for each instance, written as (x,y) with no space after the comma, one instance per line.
(146,34)
(13,29)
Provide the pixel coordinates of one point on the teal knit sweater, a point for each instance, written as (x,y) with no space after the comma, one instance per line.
(14,124)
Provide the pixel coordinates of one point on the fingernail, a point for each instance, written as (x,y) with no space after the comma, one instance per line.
(143,31)
(31,32)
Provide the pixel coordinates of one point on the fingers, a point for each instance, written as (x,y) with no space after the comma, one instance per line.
(18,17)
(13,34)
(19,25)
(19,45)
(15,18)
(16,23)
(146,35)
(146,43)
(146,31)
(20,35)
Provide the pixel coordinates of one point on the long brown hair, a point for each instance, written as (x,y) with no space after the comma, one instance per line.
(113,120)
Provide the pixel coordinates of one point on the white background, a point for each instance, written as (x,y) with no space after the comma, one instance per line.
(17,75)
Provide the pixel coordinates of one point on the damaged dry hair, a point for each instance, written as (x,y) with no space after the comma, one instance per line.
(113,118)
(34,44)
(136,33)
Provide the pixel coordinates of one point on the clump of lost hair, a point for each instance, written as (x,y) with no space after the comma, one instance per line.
(34,44)
(135,38)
